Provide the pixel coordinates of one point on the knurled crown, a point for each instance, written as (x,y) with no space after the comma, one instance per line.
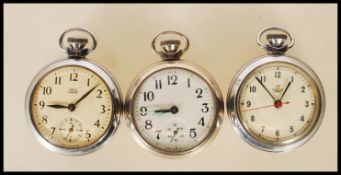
(271,36)
(276,40)
(170,46)
(77,43)
(76,47)
(170,49)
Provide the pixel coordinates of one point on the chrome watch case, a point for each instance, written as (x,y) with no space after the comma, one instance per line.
(77,58)
(173,61)
(276,54)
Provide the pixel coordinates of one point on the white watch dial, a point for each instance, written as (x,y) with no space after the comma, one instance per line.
(174,110)
(278,103)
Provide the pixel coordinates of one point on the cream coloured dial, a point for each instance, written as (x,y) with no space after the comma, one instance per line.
(71,107)
(278,103)
(174,110)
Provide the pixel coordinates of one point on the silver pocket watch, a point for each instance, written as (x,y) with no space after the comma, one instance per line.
(173,107)
(276,102)
(73,105)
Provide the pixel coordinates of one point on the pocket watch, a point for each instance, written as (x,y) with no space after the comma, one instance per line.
(73,105)
(276,102)
(173,107)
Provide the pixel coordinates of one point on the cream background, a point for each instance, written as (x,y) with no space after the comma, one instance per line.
(223,38)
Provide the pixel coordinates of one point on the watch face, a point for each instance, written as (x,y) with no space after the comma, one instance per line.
(278,103)
(174,110)
(71,107)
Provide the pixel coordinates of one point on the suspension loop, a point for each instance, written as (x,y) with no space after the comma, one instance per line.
(170,49)
(76,45)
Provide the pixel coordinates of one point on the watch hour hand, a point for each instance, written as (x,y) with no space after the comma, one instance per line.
(162,110)
(56,106)
(286,89)
(173,110)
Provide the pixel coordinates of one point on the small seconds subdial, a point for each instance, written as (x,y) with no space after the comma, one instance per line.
(278,103)
(174,110)
(71,107)
(175,131)
(71,129)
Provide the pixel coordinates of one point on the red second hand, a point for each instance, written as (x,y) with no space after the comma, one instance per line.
(264,107)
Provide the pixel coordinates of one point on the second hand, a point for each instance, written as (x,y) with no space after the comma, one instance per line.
(263,107)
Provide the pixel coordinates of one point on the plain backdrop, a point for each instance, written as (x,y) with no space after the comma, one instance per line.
(223,38)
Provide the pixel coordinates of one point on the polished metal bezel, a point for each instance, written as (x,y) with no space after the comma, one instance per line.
(168,65)
(114,91)
(234,90)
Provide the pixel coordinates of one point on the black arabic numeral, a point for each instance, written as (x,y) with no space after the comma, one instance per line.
(306,103)
(87,134)
(201,122)
(99,93)
(53,129)
(303,89)
(205,108)
(44,119)
(158,84)
(248,103)
(158,136)
(263,127)
(199,92)
(172,80)
(103,109)
(47,90)
(148,96)
(253,118)
(263,79)
(42,104)
(302,118)
(143,111)
(97,123)
(58,80)
(192,133)
(148,125)
(73,77)
(253,89)
(291,129)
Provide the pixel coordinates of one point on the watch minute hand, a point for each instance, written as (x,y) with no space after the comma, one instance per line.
(85,95)
(266,89)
